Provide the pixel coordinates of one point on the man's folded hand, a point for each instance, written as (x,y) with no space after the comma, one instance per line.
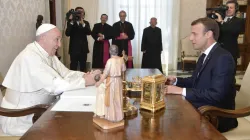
(173,90)
(170,80)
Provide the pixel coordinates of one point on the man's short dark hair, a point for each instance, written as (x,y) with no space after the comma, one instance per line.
(80,8)
(235,4)
(104,15)
(210,25)
(122,11)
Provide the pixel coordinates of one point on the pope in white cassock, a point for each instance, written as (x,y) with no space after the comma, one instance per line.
(36,77)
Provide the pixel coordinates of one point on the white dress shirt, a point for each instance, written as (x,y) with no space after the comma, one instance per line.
(225,19)
(83,24)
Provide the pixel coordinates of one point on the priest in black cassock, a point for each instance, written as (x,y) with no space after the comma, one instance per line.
(151,46)
(123,34)
(101,33)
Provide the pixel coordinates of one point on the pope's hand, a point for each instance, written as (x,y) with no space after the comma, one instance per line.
(96,72)
(89,79)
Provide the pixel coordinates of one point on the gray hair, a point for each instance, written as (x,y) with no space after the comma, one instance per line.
(113,50)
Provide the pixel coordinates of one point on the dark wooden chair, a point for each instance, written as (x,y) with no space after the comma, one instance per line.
(242,111)
(37,110)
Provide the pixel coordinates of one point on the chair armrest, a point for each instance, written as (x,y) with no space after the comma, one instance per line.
(37,110)
(237,87)
(211,113)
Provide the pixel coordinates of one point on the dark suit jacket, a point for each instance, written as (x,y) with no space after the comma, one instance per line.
(78,37)
(229,33)
(214,85)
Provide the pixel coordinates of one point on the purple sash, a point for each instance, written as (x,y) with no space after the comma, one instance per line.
(130,62)
(105,52)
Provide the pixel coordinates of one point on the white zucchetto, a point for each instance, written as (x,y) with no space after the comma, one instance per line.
(44,28)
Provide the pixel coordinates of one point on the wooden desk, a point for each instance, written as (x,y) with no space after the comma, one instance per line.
(178,121)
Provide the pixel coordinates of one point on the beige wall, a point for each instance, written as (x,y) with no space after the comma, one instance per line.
(190,10)
(18,20)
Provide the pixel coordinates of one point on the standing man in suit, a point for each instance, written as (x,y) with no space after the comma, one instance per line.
(230,28)
(78,45)
(151,46)
(212,82)
(101,33)
(123,34)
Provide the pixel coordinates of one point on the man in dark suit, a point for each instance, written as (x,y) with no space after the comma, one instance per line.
(78,45)
(230,28)
(101,33)
(151,46)
(212,82)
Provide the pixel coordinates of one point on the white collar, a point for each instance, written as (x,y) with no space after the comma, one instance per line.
(229,17)
(225,19)
(43,52)
(207,51)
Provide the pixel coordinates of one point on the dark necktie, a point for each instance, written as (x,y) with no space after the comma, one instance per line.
(198,67)
(228,19)
(200,62)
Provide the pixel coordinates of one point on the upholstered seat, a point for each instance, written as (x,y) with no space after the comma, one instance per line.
(3,136)
(189,55)
(242,132)
(242,112)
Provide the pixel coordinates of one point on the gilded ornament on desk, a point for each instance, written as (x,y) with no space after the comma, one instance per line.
(128,109)
(153,92)
(137,82)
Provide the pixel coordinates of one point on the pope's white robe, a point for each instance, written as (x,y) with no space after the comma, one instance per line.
(35,78)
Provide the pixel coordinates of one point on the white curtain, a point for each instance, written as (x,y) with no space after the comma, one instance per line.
(139,13)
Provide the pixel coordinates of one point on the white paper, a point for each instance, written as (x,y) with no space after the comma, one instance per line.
(82,100)
(75,105)
(80,93)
